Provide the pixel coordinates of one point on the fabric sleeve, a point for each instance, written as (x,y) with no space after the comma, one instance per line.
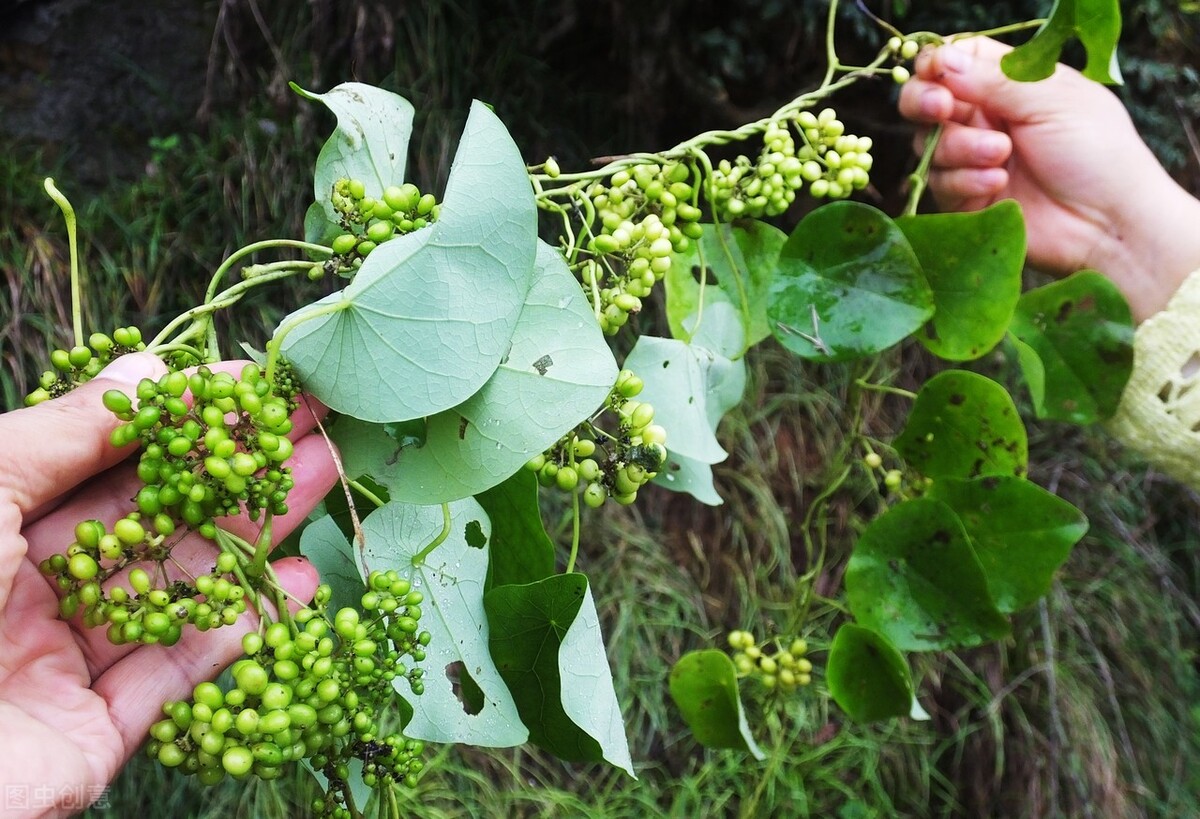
(1159,412)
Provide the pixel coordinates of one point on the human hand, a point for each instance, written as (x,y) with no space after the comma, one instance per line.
(73,707)
(1093,194)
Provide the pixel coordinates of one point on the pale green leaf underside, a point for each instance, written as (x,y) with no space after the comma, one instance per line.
(430,315)
(370,143)
(326,547)
(588,695)
(557,372)
(681,381)
(452,580)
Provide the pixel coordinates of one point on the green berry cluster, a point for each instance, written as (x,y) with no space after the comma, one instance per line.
(151,608)
(835,163)
(831,162)
(646,214)
(766,187)
(604,465)
(84,362)
(319,688)
(222,452)
(902,48)
(777,668)
(368,222)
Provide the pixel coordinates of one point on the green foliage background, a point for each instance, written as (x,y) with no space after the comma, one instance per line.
(1090,709)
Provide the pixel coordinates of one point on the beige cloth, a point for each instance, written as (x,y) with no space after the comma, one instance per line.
(1159,413)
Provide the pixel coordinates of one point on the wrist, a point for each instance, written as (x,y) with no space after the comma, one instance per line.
(1153,246)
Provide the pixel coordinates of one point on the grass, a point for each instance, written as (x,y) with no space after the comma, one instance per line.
(1089,709)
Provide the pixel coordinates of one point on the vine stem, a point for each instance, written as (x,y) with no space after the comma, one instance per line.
(73,243)
(262,546)
(862,383)
(919,178)
(266,244)
(419,559)
(574,532)
(226,298)
(276,342)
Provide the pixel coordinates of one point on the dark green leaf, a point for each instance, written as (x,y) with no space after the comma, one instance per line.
(521,551)
(914,578)
(867,677)
(1096,23)
(847,285)
(705,688)
(1081,331)
(964,425)
(1021,533)
(973,264)
(555,686)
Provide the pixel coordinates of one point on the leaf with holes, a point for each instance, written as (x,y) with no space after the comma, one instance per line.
(545,639)
(556,372)
(847,285)
(452,579)
(1096,23)
(431,314)
(867,677)
(915,579)
(370,145)
(704,686)
(740,259)
(973,263)
(1077,353)
(964,425)
(1021,533)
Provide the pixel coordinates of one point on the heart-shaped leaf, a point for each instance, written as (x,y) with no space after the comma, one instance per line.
(430,315)
(1021,533)
(557,371)
(1076,350)
(546,643)
(847,285)
(964,425)
(704,686)
(915,579)
(452,579)
(867,677)
(370,145)
(973,263)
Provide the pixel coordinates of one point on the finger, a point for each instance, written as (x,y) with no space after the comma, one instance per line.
(961,146)
(109,496)
(970,70)
(967,189)
(108,499)
(137,686)
(930,102)
(50,448)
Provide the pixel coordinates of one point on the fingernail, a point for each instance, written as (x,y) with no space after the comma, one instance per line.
(955,59)
(130,369)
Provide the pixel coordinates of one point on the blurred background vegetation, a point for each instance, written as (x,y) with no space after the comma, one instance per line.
(171,126)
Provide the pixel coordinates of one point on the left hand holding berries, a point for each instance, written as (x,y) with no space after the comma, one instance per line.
(74,707)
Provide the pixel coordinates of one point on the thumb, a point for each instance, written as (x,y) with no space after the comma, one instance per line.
(53,446)
(970,70)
